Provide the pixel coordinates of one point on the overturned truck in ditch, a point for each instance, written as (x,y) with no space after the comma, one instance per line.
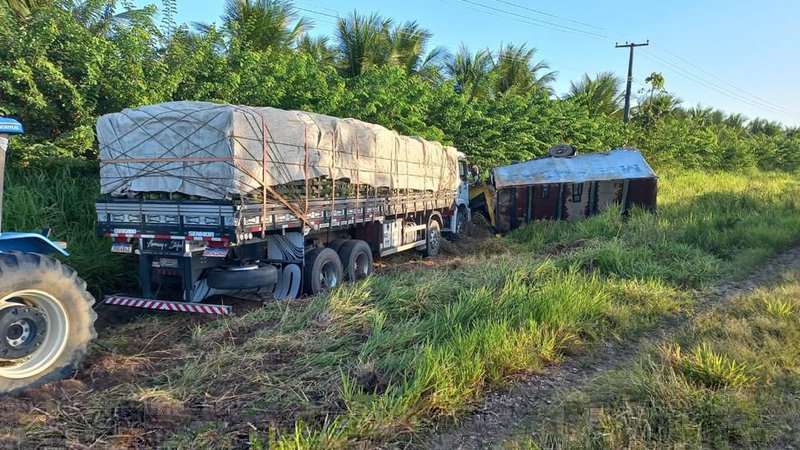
(571,188)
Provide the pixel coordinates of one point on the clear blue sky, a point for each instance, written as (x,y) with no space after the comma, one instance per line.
(737,55)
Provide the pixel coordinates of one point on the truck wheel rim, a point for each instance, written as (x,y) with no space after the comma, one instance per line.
(361,269)
(54,342)
(434,238)
(328,276)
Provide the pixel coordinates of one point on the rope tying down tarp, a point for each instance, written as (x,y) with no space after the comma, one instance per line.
(224,151)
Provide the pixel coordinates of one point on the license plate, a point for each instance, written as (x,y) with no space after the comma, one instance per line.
(211,252)
(121,247)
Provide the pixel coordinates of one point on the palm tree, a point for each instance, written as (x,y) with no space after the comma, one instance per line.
(469,72)
(736,121)
(22,8)
(656,82)
(701,115)
(516,71)
(409,42)
(601,95)
(659,105)
(98,16)
(263,24)
(318,49)
(363,42)
(764,126)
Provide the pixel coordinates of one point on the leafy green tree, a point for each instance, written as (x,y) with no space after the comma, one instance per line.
(388,96)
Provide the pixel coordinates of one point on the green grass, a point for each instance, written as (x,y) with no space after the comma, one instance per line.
(381,360)
(737,388)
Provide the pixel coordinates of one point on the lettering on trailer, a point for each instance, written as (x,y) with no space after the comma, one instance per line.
(201,233)
(169,246)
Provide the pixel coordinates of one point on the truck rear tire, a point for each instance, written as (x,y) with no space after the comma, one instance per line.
(356,257)
(323,270)
(46,321)
(337,244)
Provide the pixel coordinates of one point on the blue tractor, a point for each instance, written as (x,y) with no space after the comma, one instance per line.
(46,315)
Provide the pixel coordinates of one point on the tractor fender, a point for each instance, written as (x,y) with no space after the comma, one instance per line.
(29,243)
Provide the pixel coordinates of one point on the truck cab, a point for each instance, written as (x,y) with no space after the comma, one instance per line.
(461,214)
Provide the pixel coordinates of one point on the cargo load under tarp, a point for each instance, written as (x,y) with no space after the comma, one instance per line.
(572,188)
(221,151)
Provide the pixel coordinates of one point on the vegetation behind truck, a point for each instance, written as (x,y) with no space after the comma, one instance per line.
(220,199)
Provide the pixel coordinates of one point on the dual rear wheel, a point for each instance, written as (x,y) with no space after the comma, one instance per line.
(342,260)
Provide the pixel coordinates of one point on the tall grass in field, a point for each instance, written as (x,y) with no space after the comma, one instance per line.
(62,198)
(729,379)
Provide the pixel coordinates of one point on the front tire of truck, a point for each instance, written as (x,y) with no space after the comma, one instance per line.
(322,271)
(46,321)
(433,241)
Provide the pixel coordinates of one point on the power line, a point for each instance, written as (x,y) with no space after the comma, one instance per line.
(726,82)
(710,85)
(544,13)
(758,102)
(536,22)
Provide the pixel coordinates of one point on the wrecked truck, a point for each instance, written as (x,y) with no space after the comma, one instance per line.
(570,188)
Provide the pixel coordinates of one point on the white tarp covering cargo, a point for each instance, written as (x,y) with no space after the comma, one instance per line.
(219,151)
(618,164)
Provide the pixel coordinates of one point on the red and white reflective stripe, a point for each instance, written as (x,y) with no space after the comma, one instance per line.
(166,236)
(163,305)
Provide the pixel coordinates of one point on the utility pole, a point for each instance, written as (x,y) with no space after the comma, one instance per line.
(631,46)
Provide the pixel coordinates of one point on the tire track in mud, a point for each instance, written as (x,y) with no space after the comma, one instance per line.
(530,402)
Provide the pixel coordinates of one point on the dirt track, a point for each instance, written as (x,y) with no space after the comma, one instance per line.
(529,403)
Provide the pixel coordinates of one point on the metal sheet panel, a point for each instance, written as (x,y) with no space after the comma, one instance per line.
(621,163)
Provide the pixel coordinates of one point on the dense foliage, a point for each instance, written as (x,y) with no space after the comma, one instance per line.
(64,63)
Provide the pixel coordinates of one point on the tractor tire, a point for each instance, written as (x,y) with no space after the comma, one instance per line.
(322,271)
(356,257)
(46,318)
